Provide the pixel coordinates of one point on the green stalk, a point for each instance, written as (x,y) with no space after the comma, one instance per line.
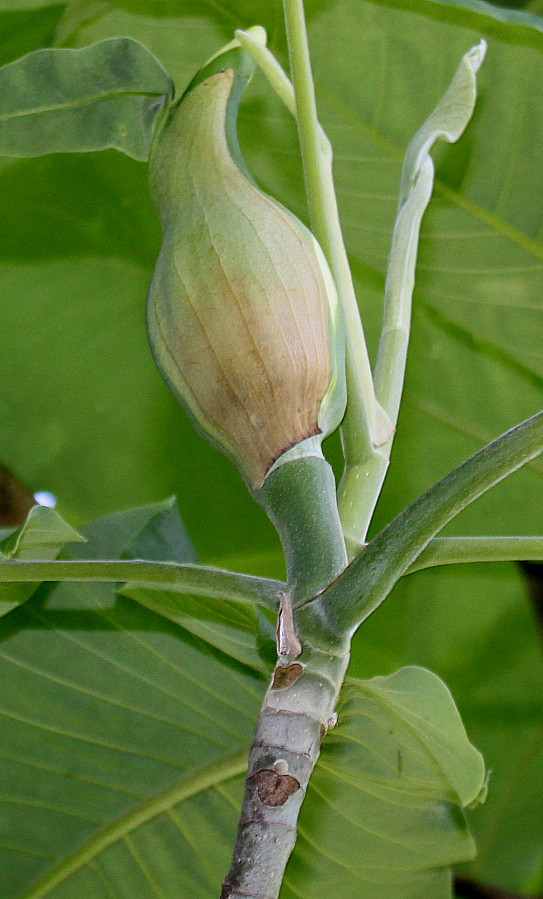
(368,580)
(462,550)
(198,580)
(298,708)
(361,425)
(300,499)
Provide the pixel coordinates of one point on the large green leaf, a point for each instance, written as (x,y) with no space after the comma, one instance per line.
(126,778)
(230,626)
(104,705)
(472,630)
(104,96)
(383,814)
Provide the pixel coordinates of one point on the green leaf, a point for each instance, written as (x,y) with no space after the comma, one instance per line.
(470,628)
(164,538)
(135,717)
(228,625)
(42,536)
(119,536)
(383,815)
(105,96)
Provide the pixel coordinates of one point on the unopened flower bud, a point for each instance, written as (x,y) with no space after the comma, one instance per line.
(242,310)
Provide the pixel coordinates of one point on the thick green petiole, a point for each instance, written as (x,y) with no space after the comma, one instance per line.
(463,550)
(368,580)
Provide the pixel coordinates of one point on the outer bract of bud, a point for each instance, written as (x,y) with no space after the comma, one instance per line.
(242,310)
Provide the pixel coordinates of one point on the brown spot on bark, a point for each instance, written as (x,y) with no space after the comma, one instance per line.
(322,731)
(226,891)
(286,676)
(274,789)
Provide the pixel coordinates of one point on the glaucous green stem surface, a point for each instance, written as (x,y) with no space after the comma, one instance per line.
(368,580)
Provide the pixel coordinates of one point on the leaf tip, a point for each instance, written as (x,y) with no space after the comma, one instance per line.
(476,56)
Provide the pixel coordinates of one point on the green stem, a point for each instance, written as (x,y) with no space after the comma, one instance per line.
(300,499)
(368,580)
(461,550)
(360,421)
(194,579)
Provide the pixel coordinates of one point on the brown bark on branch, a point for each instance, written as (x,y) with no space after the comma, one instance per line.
(297,711)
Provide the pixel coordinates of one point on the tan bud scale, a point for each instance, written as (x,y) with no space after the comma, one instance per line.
(238,309)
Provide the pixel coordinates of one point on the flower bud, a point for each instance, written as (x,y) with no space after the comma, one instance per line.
(242,309)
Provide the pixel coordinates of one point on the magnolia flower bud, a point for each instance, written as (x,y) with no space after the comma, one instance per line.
(242,309)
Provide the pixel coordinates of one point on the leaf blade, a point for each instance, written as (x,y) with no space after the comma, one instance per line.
(104,96)
(227,625)
(383,813)
(42,536)
(130,704)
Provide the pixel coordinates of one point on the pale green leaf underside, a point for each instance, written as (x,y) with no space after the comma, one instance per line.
(380,790)
(446,122)
(104,96)
(42,536)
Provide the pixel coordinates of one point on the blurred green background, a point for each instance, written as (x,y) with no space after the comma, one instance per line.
(84,413)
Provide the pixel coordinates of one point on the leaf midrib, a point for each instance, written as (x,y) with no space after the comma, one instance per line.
(198,780)
(77,104)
